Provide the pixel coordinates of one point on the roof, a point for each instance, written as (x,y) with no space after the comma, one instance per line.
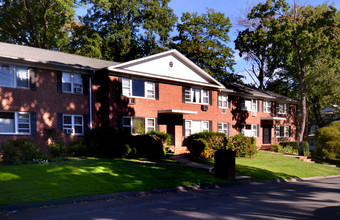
(255,92)
(44,56)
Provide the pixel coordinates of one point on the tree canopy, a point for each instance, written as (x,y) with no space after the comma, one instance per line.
(37,23)
(202,39)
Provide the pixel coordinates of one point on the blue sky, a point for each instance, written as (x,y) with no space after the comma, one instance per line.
(232,9)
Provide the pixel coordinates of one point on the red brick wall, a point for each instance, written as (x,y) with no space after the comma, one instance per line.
(45,101)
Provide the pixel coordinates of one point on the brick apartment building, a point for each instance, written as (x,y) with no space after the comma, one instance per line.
(42,90)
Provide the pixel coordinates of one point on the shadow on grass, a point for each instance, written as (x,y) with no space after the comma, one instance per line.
(260,175)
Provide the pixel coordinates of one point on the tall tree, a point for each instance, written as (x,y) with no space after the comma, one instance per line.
(297,37)
(38,23)
(203,38)
(123,29)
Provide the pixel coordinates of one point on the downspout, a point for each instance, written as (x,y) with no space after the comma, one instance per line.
(90,97)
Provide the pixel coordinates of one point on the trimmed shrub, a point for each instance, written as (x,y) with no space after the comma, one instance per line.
(288,150)
(244,146)
(78,148)
(328,142)
(145,146)
(204,144)
(335,124)
(106,143)
(164,138)
(276,147)
(305,147)
(57,150)
(293,144)
(20,150)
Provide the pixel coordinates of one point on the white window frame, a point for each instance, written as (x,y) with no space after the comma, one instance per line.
(191,93)
(204,126)
(223,101)
(252,132)
(147,127)
(14,74)
(223,127)
(283,108)
(74,84)
(267,106)
(278,131)
(73,124)
(251,106)
(18,122)
(149,89)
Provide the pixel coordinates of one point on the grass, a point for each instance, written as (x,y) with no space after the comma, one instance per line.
(266,166)
(43,182)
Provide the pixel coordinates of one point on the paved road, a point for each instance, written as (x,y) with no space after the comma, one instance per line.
(299,200)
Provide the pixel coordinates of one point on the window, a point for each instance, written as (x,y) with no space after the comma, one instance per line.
(15,123)
(14,76)
(73,124)
(196,95)
(223,128)
(250,130)
(138,125)
(267,106)
(72,83)
(223,101)
(138,88)
(282,108)
(249,104)
(282,131)
(193,126)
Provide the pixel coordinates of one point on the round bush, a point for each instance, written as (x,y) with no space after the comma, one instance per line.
(276,147)
(328,142)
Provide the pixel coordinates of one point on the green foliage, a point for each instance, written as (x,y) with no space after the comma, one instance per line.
(276,147)
(78,148)
(38,23)
(20,150)
(122,30)
(288,150)
(106,143)
(328,142)
(293,144)
(164,138)
(335,124)
(305,147)
(203,37)
(244,146)
(57,150)
(145,146)
(204,144)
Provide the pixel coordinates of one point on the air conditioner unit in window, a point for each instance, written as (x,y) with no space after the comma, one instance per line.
(78,90)
(204,107)
(132,101)
(68,131)
(253,114)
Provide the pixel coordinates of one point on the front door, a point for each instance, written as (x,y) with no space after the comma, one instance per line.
(266,135)
(170,129)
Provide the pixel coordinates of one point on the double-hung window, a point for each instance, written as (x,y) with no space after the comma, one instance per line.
(194,126)
(72,83)
(73,124)
(282,108)
(15,123)
(196,95)
(137,125)
(14,76)
(138,88)
(223,127)
(223,101)
(267,107)
(249,104)
(282,131)
(250,130)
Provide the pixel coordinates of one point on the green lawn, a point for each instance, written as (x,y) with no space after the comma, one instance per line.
(42,182)
(267,165)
